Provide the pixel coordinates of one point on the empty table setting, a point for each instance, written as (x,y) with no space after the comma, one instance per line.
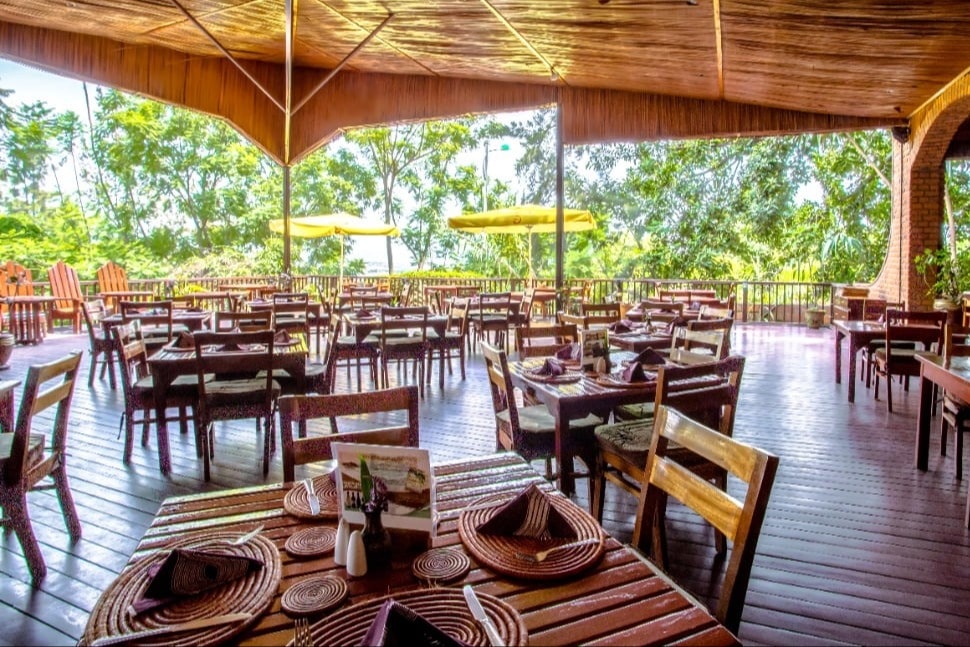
(284,575)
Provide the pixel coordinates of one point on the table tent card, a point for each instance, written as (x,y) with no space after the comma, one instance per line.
(402,476)
(595,345)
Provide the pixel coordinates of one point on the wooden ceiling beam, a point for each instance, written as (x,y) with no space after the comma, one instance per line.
(719,46)
(289,8)
(522,39)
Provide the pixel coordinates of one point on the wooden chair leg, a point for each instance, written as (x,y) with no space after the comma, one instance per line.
(17,517)
(959,452)
(66,499)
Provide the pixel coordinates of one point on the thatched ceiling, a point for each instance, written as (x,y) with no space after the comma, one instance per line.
(627,68)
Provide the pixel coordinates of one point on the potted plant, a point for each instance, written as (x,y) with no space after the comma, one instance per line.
(814,316)
(941,274)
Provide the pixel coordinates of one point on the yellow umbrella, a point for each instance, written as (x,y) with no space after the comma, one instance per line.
(335,224)
(523,219)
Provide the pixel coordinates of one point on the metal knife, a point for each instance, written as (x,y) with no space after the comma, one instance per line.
(191,625)
(478,612)
(311,496)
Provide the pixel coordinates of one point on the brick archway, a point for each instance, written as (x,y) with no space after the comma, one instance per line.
(917,193)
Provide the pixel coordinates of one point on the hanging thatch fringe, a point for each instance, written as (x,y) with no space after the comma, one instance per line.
(593,116)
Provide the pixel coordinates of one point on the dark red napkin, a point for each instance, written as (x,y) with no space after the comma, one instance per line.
(399,626)
(621,326)
(649,357)
(633,373)
(677,322)
(282,337)
(187,572)
(184,340)
(364,312)
(567,352)
(530,514)
(551,366)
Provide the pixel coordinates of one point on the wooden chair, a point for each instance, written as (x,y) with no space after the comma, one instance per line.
(308,448)
(403,337)
(542,341)
(232,394)
(530,430)
(101,345)
(25,461)
(362,347)
(290,312)
(19,281)
(738,519)
(452,339)
(875,310)
(711,336)
(593,316)
(139,392)
(715,312)
(156,319)
(112,278)
(924,329)
(66,286)
(622,447)
(227,321)
(659,311)
(492,313)
(956,412)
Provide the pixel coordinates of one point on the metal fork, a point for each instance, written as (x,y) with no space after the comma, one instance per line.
(541,555)
(302,636)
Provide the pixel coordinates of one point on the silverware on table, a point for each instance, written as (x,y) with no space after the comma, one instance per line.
(239,541)
(540,556)
(302,636)
(478,612)
(191,625)
(312,497)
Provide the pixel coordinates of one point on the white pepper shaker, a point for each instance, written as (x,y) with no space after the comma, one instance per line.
(356,555)
(341,543)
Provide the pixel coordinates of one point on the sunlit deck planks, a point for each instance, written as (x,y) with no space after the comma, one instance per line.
(858,547)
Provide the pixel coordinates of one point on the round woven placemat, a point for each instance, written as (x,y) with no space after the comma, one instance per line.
(564,378)
(295,502)
(250,594)
(445,608)
(310,542)
(501,552)
(616,383)
(440,565)
(314,595)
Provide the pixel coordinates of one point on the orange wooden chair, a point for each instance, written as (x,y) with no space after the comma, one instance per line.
(66,286)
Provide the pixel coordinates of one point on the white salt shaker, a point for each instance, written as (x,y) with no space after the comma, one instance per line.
(356,555)
(342,541)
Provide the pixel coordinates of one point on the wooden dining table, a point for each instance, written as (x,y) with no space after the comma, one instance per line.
(573,401)
(169,363)
(29,317)
(193,320)
(859,334)
(620,599)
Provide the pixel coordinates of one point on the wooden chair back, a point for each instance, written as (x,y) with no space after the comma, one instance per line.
(66,286)
(600,315)
(292,316)
(739,520)
(227,321)
(503,396)
(302,408)
(657,311)
(157,319)
(922,327)
(112,278)
(539,341)
(715,312)
(28,462)
(101,347)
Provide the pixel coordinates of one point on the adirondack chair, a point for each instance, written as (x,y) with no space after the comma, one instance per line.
(112,278)
(66,286)
(15,281)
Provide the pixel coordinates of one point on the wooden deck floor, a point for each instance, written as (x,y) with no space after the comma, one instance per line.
(858,547)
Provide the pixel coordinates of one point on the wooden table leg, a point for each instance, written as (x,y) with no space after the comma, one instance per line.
(923,424)
(853,349)
(838,356)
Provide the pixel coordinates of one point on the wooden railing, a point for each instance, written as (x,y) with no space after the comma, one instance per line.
(754,301)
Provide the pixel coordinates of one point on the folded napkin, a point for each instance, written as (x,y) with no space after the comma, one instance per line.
(195,309)
(568,352)
(530,514)
(677,322)
(184,340)
(187,572)
(282,337)
(551,366)
(397,624)
(364,312)
(649,356)
(621,326)
(634,374)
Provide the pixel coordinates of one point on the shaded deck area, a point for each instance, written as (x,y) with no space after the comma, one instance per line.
(858,547)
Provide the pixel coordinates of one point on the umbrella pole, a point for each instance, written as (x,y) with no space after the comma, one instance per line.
(340,283)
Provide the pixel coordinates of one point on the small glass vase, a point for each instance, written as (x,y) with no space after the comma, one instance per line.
(377,540)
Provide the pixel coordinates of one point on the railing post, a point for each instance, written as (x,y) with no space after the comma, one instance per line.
(744,302)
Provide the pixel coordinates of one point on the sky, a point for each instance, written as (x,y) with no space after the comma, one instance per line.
(30,85)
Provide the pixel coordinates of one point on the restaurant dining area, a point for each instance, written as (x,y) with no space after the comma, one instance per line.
(856,532)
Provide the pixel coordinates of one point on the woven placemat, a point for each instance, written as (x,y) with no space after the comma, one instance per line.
(504,553)
(295,502)
(310,542)
(445,608)
(564,378)
(440,565)
(253,594)
(314,595)
(617,383)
